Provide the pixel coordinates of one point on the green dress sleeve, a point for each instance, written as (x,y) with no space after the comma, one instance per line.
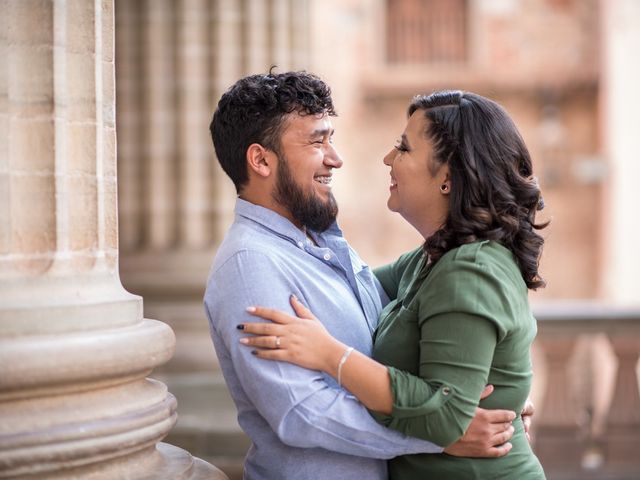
(455,358)
(462,312)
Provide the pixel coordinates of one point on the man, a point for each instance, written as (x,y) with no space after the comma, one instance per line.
(273,137)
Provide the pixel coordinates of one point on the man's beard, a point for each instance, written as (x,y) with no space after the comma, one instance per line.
(307,209)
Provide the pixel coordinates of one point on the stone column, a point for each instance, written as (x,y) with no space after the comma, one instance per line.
(300,35)
(193,116)
(75,349)
(228,57)
(280,34)
(129,100)
(257,36)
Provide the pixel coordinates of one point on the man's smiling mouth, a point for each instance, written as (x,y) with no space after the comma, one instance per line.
(323,179)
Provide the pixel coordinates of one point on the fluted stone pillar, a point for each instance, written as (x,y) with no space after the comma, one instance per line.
(75,349)
(257,34)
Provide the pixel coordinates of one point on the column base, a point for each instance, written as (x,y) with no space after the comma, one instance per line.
(162,461)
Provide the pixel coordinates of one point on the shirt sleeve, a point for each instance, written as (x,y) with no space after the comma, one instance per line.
(298,404)
(458,316)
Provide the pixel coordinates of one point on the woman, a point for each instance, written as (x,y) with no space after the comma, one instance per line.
(459,316)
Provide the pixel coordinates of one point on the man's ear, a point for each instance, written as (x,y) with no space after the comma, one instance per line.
(260,160)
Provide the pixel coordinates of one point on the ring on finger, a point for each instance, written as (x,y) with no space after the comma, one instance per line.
(277,342)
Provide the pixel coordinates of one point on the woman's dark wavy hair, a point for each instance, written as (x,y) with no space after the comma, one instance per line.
(494,195)
(253,111)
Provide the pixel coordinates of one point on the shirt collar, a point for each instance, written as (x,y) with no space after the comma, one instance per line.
(279,224)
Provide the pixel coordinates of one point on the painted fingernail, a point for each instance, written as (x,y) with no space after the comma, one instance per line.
(251,309)
(240,327)
(244,341)
(254,352)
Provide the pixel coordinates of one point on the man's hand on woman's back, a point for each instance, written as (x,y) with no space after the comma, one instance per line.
(488,434)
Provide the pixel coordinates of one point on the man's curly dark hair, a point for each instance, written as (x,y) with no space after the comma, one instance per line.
(494,195)
(253,110)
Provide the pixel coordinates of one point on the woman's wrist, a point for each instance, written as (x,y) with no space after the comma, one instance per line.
(343,360)
(334,355)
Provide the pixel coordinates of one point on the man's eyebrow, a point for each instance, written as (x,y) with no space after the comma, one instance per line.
(321,132)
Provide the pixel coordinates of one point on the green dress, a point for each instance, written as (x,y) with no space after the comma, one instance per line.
(449,330)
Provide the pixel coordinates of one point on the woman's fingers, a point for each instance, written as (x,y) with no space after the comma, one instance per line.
(261,328)
(300,309)
(276,316)
(269,341)
(281,355)
(488,390)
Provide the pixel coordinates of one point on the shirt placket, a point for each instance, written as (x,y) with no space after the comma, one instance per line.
(339,257)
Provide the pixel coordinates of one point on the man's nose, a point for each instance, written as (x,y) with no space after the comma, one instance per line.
(332,158)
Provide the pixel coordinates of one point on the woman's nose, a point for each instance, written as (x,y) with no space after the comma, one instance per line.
(389,157)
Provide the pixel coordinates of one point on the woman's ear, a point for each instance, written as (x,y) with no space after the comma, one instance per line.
(260,160)
(445,180)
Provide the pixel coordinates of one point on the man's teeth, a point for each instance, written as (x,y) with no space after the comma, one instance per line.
(393,183)
(326,180)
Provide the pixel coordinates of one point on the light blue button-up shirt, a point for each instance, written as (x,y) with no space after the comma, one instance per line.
(301,424)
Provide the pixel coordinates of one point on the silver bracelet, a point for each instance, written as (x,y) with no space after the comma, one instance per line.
(345,355)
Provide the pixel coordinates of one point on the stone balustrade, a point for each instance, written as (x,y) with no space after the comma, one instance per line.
(588,423)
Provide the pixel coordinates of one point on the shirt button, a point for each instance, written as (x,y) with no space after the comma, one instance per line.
(327,256)
(446,391)
(301,245)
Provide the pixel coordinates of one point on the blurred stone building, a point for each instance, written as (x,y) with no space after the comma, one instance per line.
(564,69)
(540,59)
